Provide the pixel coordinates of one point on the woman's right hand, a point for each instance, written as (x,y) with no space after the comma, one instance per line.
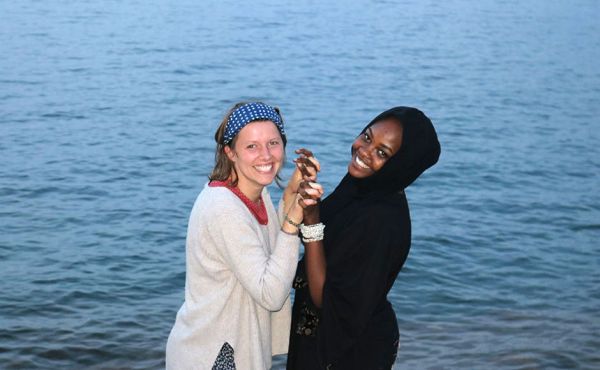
(307,167)
(305,208)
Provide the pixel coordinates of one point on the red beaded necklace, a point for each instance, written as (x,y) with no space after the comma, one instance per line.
(258,210)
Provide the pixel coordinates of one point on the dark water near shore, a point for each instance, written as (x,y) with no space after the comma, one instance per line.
(106,115)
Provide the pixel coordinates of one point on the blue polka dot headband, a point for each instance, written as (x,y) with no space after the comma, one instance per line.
(248,113)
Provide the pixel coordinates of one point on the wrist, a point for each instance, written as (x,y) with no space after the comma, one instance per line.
(294,210)
(290,221)
(289,189)
(311,218)
(290,226)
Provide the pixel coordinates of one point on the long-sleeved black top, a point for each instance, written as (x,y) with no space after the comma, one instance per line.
(367,240)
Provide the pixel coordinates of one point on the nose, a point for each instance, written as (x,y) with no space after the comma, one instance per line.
(364,152)
(265,152)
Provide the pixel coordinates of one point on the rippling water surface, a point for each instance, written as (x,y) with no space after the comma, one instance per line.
(106,115)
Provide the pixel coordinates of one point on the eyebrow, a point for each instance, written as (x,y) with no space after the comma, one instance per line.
(258,141)
(370,132)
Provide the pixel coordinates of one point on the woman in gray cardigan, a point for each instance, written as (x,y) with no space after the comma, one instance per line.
(241,253)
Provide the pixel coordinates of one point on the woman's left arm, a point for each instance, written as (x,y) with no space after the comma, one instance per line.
(315,263)
(316,268)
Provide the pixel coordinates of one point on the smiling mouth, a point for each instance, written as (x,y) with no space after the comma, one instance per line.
(264,168)
(360,163)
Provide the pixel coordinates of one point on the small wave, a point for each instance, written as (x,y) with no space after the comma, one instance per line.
(64,115)
(592,227)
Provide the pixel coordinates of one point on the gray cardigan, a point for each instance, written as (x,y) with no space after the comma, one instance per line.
(238,279)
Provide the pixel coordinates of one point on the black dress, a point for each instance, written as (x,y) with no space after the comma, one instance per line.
(367,240)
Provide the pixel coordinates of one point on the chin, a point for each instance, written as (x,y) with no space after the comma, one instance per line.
(266,179)
(354,173)
(351,170)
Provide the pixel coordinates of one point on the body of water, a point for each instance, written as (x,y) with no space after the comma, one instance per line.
(107,112)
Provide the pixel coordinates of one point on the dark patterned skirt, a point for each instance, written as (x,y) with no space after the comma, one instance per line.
(224,359)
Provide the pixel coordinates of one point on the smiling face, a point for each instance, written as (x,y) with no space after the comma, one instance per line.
(257,156)
(374,147)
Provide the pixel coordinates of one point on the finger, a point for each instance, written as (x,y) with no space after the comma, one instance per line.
(307,167)
(309,162)
(305,152)
(300,201)
(304,194)
(311,192)
(316,186)
(309,202)
(301,168)
(310,185)
(303,185)
(305,200)
(304,170)
(313,189)
(315,163)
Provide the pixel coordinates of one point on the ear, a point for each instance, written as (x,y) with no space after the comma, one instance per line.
(230,153)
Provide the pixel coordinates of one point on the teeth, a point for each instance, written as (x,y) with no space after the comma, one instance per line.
(361,163)
(265,168)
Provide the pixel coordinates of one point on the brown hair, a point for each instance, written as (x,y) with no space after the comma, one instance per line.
(223,165)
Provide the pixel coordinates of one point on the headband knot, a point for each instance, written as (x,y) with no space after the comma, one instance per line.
(248,113)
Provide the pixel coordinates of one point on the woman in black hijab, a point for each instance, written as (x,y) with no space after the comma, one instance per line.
(341,317)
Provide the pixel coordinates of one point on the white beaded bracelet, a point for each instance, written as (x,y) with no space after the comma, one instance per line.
(312,233)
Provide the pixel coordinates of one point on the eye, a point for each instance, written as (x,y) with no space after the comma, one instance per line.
(274,142)
(251,146)
(381,154)
(366,137)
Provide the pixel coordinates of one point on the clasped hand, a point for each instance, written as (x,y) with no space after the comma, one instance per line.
(304,180)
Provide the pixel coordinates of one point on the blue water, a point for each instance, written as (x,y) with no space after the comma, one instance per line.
(107,110)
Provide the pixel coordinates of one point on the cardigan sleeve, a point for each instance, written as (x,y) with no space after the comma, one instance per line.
(357,281)
(281,210)
(266,277)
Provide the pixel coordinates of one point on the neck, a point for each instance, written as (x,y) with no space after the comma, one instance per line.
(251,191)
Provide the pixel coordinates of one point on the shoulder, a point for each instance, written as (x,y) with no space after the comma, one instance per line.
(218,205)
(217,198)
(378,224)
(385,211)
